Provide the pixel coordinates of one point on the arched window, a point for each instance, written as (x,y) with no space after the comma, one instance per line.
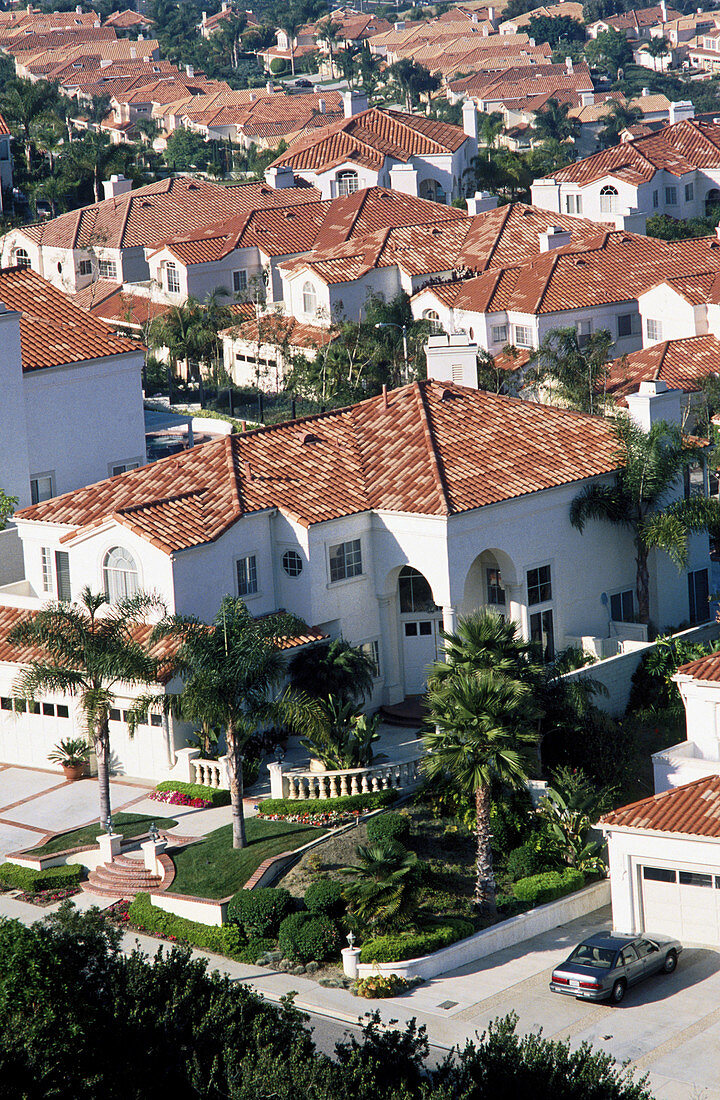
(22,258)
(712,200)
(120,574)
(608,200)
(347,183)
(415,592)
(309,298)
(433,319)
(173,279)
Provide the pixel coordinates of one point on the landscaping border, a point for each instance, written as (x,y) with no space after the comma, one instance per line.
(506,933)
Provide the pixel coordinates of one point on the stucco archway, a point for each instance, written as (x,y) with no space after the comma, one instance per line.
(490,583)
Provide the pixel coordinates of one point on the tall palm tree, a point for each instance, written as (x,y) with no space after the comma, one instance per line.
(329,32)
(576,371)
(21,104)
(619,118)
(236,664)
(88,649)
(291,21)
(657,48)
(486,641)
(477,736)
(552,122)
(641,498)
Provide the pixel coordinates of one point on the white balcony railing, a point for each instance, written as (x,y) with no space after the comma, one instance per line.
(303,785)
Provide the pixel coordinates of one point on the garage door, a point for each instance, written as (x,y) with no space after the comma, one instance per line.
(679,903)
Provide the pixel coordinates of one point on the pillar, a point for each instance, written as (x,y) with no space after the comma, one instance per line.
(151,849)
(276,780)
(350,958)
(109,844)
(390,649)
(449,620)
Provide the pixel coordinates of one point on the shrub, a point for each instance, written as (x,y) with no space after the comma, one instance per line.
(381,985)
(390,826)
(511,820)
(225,939)
(260,911)
(539,889)
(359,803)
(305,936)
(278,65)
(255,948)
(325,897)
(31,880)
(527,860)
(411,945)
(210,795)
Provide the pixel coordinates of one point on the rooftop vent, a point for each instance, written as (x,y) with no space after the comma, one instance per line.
(448,395)
(310,437)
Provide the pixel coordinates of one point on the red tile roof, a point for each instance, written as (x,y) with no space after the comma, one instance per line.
(280,329)
(693,809)
(704,668)
(107,301)
(680,363)
(4,129)
(432,448)
(639,18)
(525,82)
(53,330)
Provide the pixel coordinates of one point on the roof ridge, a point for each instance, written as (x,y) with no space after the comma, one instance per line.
(665,348)
(553,264)
(233,478)
(430,442)
(505,218)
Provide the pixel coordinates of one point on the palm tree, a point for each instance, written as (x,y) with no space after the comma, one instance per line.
(641,498)
(619,118)
(94,156)
(384,888)
(89,648)
(329,32)
(236,664)
(486,641)
(552,123)
(291,21)
(577,372)
(21,104)
(656,48)
(478,735)
(332,668)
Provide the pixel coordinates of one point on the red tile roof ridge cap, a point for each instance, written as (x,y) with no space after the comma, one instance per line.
(712,781)
(125,510)
(663,353)
(504,218)
(551,271)
(698,660)
(438,476)
(233,478)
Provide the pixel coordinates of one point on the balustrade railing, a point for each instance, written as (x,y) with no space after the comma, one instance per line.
(307,786)
(209,773)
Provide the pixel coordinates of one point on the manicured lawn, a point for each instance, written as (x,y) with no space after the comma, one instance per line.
(212,868)
(129,825)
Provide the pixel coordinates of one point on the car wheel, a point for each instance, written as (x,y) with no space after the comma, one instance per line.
(618,991)
(670,962)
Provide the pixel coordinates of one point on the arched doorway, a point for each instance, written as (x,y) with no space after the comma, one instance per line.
(420,622)
(428,189)
(712,200)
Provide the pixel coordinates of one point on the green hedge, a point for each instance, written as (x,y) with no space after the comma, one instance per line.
(539,889)
(389,827)
(362,802)
(411,945)
(255,948)
(260,911)
(305,937)
(196,790)
(526,861)
(325,896)
(31,880)
(224,940)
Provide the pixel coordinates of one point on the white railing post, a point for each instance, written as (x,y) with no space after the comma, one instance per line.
(302,786)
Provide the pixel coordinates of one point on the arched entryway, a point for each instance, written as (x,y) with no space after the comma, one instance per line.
(712,200)
(420,622)
(489,584)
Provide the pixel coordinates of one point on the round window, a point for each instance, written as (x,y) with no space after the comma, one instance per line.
(292,563)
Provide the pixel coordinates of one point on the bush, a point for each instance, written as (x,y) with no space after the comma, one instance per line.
(224,940)
(255,948)
(325,897)
(260,911)
(352,803)
(539,889)
(196,790)
(391,826)
(381,985)
(31,881)
(278,65)
(511,819)
(304,937)
(529,859)
(411,945)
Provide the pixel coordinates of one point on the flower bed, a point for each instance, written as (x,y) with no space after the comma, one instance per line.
(347,807)
(206,796)
(318,819)
(177,798)
(44,898)
(382,985)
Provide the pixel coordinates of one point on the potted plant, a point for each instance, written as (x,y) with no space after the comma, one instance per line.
(72,756)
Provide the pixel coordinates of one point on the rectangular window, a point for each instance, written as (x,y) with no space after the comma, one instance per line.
(345,560)
(698,596)
(411,630)
(656,199)
(47,584)
(622,607)
(584,332)
(6,704)
(425,629)
(156,719)
(122,468)
(85,267)
(523,336)
(495,590)
(20,706)
(239,281)
(114,714)
(539,585)
(627,325)
(372,652)
(62,574)
(49,709)
(499,334)
(653,329)
(173,279)
(695,878)
(41,488)
(246,575)
(5,150)
(689,192)
(671,196)
(573,204)
(694,480)
(33,706)
(541,631)
(62,711)
(107,269)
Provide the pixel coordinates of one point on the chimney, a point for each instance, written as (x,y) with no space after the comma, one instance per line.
(189,71)
(269,87)
(644,92)
(553,237)
(587,99)
(280,176)
(452,359)
(204,18)
(116,186)
(663,9)
(224,6)
(569,65)
(480,202)
(384,396)
(400,25)
(78,9)
(321,106)
(403,178)
(491,15)
(473,17)
(133,53)
(681,110)
(354,103)
(469,117)
(655,401)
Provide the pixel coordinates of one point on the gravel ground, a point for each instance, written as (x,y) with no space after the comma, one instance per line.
(327,858)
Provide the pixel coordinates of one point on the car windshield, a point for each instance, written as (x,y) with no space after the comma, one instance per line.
(588,955)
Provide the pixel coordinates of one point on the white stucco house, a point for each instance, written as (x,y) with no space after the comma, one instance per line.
(699,755)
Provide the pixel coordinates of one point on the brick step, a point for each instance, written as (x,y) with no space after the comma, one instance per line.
(106,874)
(129,863)
(122,878)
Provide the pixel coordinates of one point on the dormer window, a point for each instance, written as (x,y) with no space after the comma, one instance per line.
(172,278)
(347,183)
(309,299)
(120,574)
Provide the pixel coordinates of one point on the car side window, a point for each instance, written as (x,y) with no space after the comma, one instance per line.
(644,948)
(628,955)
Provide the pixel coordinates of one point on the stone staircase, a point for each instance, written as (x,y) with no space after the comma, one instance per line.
(124,877)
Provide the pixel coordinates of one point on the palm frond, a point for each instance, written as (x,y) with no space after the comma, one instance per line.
(596,501)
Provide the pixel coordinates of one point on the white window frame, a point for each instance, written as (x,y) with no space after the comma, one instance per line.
(291,550)
(22,258)
(309,293)
(689,192)
(656,200)
(85,267)
(172,278)
(240,281)
(251,556)
(107,268)
(499,334)
(47,563)
(529,569)
(671,196)
(347,182)
(520,340)
(609,199)
(622,592)
(634,319)
(653,329)
(111,574)
(346,576)
(45,475)
(117,468)
(373,645)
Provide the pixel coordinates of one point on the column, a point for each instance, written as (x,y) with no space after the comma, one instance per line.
(449,620)
(394,691)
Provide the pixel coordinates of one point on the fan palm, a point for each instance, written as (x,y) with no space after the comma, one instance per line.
(553,122)
(657,48)
(479,735)
(384,887)
(485,641)
(87,654)
(641,498)
(333,668)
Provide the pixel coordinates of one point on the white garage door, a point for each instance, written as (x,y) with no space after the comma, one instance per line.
(678,903)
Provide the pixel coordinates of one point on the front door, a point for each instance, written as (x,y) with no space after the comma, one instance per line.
(420,649)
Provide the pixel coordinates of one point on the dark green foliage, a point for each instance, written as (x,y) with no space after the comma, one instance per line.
(196,790)
(539,889)
(557,30)
(260,911)
(30,880)
(652,683)
(332,668)
(223,940)
(350,804)
(325,897)
(305,936)
(525,861)
(677,229)
(411,945)
(255,948)
(511,819)
(603,748)
(392,826)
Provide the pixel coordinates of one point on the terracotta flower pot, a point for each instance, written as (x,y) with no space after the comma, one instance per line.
(72,772)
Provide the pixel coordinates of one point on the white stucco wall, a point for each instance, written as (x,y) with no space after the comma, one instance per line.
(14,455)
